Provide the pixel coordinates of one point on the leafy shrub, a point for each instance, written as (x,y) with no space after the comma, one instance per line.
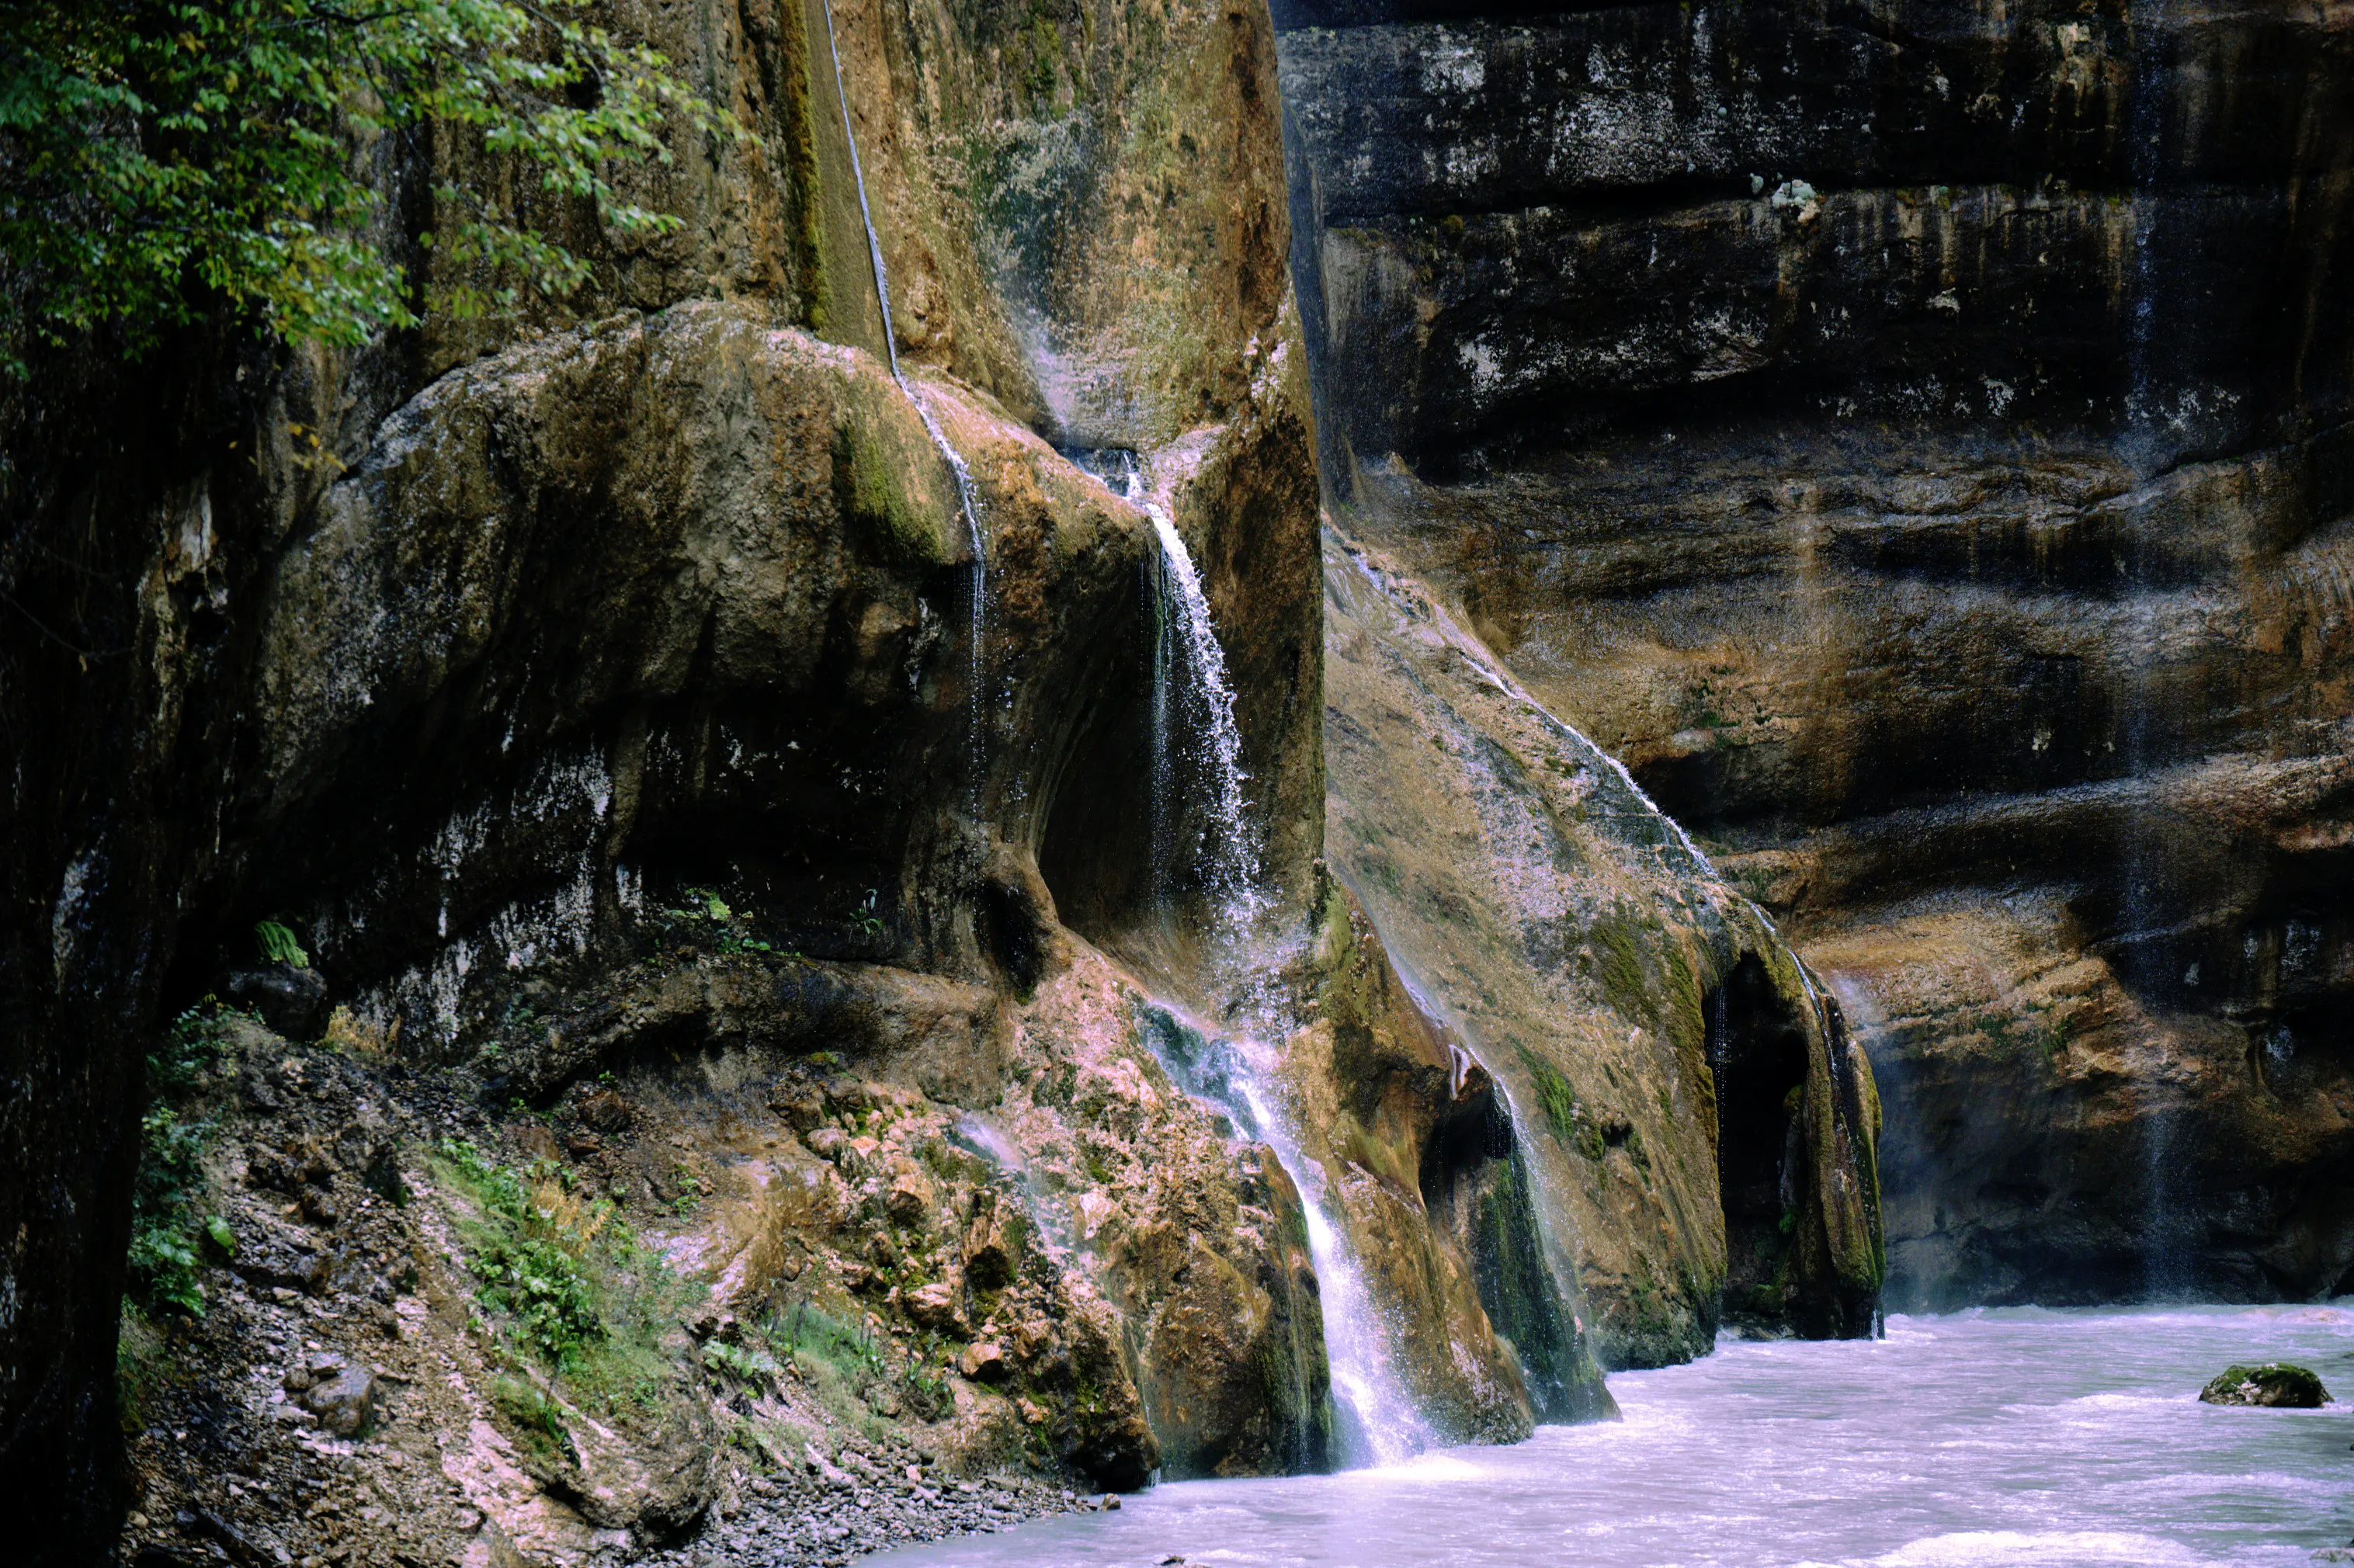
(539,1284)
(529,1254)
(568,1283)
(167,1229)
(164,154)
(745,1365)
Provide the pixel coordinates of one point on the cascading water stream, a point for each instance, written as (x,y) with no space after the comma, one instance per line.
(1229,861)
(1379,1423)
(1383,1426)
(966,496)
(2152,385)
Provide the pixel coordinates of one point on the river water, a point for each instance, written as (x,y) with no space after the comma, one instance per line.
(2015,1436)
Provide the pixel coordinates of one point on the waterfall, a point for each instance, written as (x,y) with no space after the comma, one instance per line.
(1186,638)
(1190,681)
(2152,383)
(1381,1425)
(1384,1427)
(966,498)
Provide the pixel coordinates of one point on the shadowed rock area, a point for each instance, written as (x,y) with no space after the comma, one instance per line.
(1914,441)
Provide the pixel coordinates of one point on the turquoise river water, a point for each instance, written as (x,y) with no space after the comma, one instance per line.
(2015,1436)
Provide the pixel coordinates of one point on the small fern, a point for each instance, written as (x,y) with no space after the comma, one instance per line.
(277,944)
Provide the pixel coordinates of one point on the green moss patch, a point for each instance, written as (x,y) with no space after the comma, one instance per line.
(2280,1385)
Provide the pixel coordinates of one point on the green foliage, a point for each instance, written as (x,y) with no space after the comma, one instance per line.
(166,1225)
(923,1385)
(566,1283)
(540,1418)
(2035,1027)
(277,944)
(692,1189)
(538,1282)
(840,1362)
(705,907)
(161,154)
(753,1366)
(217,1232)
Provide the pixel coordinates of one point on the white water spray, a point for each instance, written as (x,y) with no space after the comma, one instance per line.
(1379,1423)
(966,496)
(1383,1424)
(1229,861)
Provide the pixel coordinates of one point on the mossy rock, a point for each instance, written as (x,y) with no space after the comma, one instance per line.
(2280,1384)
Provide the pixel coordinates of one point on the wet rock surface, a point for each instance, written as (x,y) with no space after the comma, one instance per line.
(2280,1385)
(1698,1133)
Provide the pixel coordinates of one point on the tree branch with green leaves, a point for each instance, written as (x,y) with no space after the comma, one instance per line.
(161,157)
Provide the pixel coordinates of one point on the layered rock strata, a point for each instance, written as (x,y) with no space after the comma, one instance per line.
(1912,441)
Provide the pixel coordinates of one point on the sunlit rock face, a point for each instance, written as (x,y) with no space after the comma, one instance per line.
(1697,1131)
(1915,445)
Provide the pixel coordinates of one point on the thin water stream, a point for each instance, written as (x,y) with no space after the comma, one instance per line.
(966,498)
(2012,1437)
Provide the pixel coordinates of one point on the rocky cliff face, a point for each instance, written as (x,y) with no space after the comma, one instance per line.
(473,657)
(726,862)
(713,743)
(1913,439)
(1697,1128)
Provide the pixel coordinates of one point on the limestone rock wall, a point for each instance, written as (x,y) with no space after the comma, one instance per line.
(601,691)
(1913,439)
(1697,1132)
(462,652)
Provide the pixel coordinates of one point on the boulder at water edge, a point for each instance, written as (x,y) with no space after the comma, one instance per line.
(2282,1384)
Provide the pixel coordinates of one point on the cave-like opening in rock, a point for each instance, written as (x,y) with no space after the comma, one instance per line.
(1477,1187)
(1757,1057)
(1094,801)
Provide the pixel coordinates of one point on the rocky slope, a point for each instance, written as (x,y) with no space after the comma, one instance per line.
(1913,439)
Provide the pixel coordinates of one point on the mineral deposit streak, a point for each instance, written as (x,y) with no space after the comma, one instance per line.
(967,499)
(2011,1438)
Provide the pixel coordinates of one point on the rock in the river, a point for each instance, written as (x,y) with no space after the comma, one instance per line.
(2283,1385)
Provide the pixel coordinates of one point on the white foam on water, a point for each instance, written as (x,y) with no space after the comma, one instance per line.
(2040,1549)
